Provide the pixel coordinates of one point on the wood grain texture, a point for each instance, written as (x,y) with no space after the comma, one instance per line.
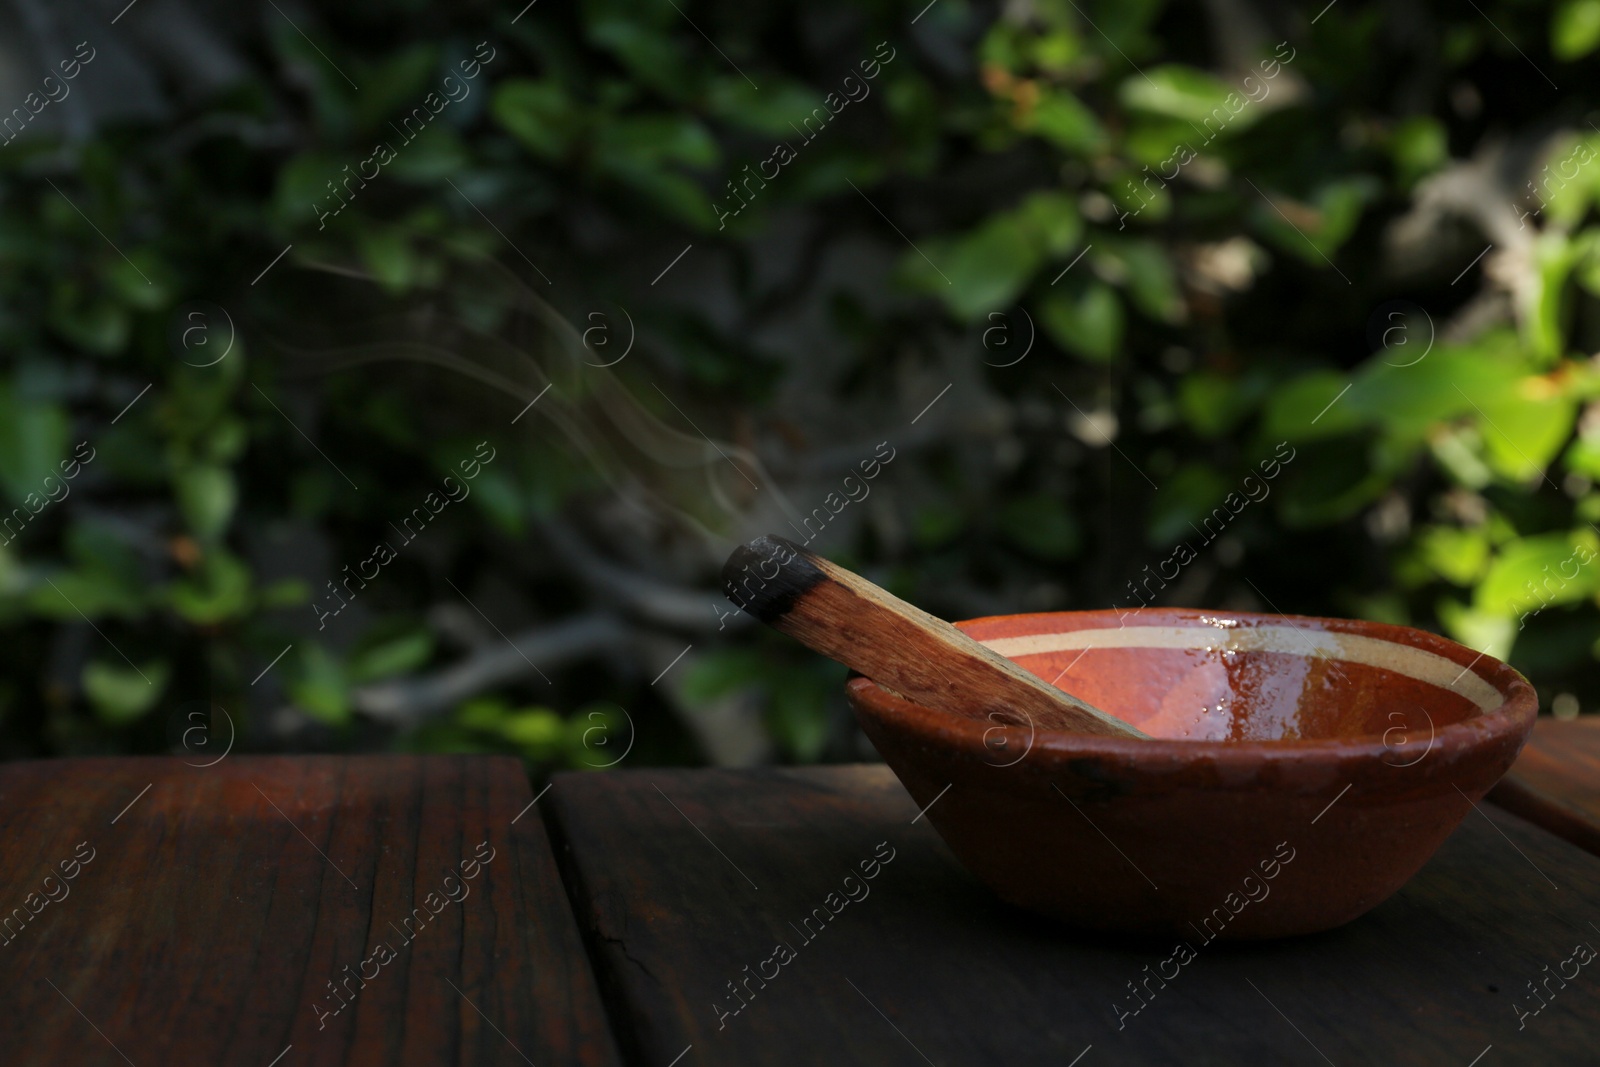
(206,926)
(898,645)
(684,878)
(1556,781)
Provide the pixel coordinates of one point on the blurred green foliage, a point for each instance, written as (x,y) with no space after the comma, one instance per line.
(1202,225)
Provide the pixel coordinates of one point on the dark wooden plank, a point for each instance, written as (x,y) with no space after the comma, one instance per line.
(1556,781)
(220,903)
(685,878)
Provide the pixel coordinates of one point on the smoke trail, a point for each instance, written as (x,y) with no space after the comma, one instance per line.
(719,490)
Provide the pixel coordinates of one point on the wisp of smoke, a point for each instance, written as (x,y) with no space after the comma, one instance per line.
(718,490)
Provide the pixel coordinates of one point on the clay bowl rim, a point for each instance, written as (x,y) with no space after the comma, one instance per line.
(1514,714)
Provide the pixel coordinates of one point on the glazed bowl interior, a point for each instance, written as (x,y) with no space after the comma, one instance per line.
(1194,676)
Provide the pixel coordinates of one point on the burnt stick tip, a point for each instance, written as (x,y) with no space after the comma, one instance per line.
(768,576)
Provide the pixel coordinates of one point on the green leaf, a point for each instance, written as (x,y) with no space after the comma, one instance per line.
(1459,450)
(1329,481)
(675,194)
(305,47)
(1053,220)
(1214,403)
(206,496)
(721,672)
(537,113)
(33,442)
(1185,93)
(436,155)
(396,84)
(1583,456)
(88,592)
(218,592)
(984,270)
(642,152)
(981,271)
(1055,51)
(140,281)
(302,194)
(1536,572)
(597,736)
(1311,407)
(101,325)
(1041,524)
(121,694)
(1554,257)
(389,656)
(773,111)
(798,711)
(651,54)
(499,498)
(1575,29)
(1522,433)
(1457,555)
(1491,633)
(1139,198)
(319,686)
(108,578)
(1410,397)
(1567,186)
(1189,492)
(1064,120)
(1152,283)
(1419,146)
(1088,323)
(284,593)
(656,140)
(1314,231)
(388,255)
(937,523)
(483,713)
(538,732)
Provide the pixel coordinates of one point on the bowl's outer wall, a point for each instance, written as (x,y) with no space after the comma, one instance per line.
(1180,837)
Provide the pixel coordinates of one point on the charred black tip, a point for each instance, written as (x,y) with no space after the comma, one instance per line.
(767,576)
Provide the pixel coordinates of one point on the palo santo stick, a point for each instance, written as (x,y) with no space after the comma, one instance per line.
(901,647)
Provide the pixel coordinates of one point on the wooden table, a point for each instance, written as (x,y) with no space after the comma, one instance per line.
(202,914)
(683,879)
(1556,781)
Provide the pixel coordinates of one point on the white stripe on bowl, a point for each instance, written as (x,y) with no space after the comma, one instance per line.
(1414,663)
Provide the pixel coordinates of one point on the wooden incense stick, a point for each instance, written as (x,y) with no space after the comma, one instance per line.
(899,646)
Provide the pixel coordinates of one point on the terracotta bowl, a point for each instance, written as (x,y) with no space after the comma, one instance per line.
(1300,771)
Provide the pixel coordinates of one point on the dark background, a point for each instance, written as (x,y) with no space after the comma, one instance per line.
(1379,267)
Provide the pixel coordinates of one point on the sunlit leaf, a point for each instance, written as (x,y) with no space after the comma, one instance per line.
(207,495)
(1538,572)
(1491,633)
(397,654)
(539,732)
(319,686)
(122,692)
(1188,94)
(1457,555)
(1419,146)
(1575,29)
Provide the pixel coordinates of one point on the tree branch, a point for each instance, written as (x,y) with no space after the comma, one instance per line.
(409,701)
